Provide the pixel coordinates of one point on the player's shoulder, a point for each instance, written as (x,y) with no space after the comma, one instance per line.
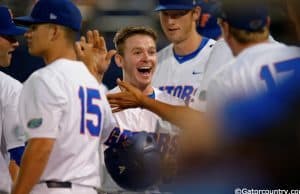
(6,80)
(267,51)
(220,45)
(165,52)
(9,87)
(8,84)
(210,42)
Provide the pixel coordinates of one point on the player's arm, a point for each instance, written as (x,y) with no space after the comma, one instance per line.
(93,52)
(34,160)
(195,123)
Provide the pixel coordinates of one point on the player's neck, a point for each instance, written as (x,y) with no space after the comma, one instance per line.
(63,52)
(145,89)
(237,48)
(189,45)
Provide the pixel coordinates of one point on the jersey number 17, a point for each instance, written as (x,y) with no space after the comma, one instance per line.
(292,65)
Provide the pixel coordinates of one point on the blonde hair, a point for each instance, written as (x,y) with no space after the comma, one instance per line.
(244,36)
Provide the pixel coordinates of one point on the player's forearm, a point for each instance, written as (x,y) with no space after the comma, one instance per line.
(13,170)
(34,160)
(178,115)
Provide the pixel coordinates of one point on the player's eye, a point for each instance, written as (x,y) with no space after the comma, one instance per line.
(152,52)
(137,52)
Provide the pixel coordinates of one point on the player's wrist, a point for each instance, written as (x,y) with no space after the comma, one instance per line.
(144,101)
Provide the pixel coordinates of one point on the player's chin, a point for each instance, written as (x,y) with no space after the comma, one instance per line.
(32,52)
(144,82)
(5,62)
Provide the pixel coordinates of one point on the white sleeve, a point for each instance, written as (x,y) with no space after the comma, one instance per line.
(41,105)
(13,135)
(109,122)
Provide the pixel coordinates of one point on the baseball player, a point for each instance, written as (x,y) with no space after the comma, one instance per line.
(136,55)
(260,64)
(62,108)
(11,136)
(181,64)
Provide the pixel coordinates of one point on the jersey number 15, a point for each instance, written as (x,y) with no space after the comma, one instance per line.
(87,96)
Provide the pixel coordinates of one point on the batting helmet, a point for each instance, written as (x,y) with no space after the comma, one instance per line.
(134,164)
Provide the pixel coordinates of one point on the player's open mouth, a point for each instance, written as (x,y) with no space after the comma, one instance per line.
(173,29)
(144,69)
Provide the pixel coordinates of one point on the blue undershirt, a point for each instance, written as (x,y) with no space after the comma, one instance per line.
(16,154)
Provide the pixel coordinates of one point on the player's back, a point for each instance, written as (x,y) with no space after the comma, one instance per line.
(181,75)
(64,101)
(257,69)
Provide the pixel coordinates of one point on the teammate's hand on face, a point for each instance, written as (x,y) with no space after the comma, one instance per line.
(93,52)
(130,97)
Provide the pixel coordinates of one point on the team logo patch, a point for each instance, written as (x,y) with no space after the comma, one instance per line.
(35,123)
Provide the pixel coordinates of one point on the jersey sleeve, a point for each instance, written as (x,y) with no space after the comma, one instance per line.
(42,103)
(109,122)
(12,132)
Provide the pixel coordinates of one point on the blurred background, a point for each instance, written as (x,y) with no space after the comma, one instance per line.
(110,15)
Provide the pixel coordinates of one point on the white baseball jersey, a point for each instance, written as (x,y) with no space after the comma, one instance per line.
(256,69)
(64,101)
(11,135)
(220,55)
(138,119)
(5,183)
(181,75)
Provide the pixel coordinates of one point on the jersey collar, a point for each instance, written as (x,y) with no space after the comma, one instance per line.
(182,59)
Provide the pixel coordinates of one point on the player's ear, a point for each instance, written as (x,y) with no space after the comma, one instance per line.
(224,27)
(54,31)
(119,60)
(196,13)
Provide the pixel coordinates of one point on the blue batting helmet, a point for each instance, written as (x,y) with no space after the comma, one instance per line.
(134,164)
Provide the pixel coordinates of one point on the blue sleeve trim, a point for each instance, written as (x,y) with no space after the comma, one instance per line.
(16,154)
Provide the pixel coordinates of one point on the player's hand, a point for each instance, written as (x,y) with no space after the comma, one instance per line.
(130,97)
(93,52)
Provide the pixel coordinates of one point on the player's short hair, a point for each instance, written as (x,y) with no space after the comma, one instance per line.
(70,34)
(123,34)
(245,37)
